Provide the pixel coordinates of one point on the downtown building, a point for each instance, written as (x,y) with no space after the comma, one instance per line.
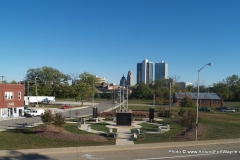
(161,70)
(129,81)
(145,72)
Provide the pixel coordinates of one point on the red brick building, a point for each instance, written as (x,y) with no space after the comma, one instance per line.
(11,100)
(205,99)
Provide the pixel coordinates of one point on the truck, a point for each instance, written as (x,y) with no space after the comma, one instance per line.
(35,112)
(38,99)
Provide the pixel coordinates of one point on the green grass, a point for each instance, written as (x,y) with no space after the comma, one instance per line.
(27,139)
(143,107)
(101,127)
(136,101)
(221,125)
(147,127)
(157,138)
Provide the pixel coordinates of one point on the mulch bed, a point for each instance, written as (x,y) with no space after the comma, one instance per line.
(53,132)
(190,134)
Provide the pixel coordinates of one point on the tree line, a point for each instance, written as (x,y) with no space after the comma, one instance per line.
(52,82)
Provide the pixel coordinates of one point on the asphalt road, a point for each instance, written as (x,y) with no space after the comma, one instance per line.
(84,111)
(207,150)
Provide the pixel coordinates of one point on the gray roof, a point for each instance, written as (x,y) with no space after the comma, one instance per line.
(193,95)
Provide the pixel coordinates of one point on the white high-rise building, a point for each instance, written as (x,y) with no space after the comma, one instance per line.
(130,81)
(161,70)
(145,72)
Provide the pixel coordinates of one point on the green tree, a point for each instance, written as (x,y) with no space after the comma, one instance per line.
(187,102)
(47,117)
(59,120)
(82,91)
(222,89)
(182,112)
(188,117)
(89,78)
(190,88)
(141,91)
(45,78)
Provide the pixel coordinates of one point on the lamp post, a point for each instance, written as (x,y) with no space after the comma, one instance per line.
(36,90)
(196,129)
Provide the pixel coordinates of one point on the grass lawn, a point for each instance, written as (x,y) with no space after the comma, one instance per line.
(157,138)
(221,125)
(101,127)
(55,105)
(27,139)
(143,107)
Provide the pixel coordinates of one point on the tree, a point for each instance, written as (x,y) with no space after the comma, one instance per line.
(47,117)
(45,78)
(182,112)
(82,91)
(228,89)
(187,102)
(59,120)
(89,78)
(141,91)
(222,89)
(190,88)
(188,118)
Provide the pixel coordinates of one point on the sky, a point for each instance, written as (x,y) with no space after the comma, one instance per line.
(108,38)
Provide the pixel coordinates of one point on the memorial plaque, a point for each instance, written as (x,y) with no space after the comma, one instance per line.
(124,118)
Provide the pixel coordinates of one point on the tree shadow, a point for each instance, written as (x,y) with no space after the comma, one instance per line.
(14,155)
(24,131)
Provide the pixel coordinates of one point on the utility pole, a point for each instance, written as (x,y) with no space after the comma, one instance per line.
(2,78)
(154,101)
(120,99)
(36,90)
(28,89)
(170,88)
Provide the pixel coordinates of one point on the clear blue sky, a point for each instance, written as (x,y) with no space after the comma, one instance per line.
(109,37)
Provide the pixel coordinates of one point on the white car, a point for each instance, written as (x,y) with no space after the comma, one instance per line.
(226,109)
(35,112)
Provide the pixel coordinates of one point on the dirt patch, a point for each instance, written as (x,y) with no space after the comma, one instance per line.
(190,134)
(53,132)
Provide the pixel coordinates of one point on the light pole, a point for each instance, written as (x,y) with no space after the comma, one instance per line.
(196,129)
(36,90)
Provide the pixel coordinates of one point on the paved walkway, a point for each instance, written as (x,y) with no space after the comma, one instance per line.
(123,135)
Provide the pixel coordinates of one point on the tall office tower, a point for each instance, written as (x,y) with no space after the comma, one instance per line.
(145,72)
(161,70)
(130,81)
(139,73)
(123,81)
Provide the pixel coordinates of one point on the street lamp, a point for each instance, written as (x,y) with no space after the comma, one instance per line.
(36,90)
(196,129)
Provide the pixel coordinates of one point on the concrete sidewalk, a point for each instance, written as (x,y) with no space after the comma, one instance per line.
(123,135)
(170,145)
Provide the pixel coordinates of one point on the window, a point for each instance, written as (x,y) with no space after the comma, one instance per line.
(9,95)
(19,95)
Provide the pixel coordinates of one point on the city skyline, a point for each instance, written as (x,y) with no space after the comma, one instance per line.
(108,38)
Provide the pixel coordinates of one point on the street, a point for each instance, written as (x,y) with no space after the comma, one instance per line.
(84,111)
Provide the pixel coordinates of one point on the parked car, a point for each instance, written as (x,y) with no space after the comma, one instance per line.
(35,112)
(205,109)
(226,109)
(66,107)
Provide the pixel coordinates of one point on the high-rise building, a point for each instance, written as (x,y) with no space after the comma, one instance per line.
(123,81)
(145,72)
(139,73)
(161,70)
(130,81)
